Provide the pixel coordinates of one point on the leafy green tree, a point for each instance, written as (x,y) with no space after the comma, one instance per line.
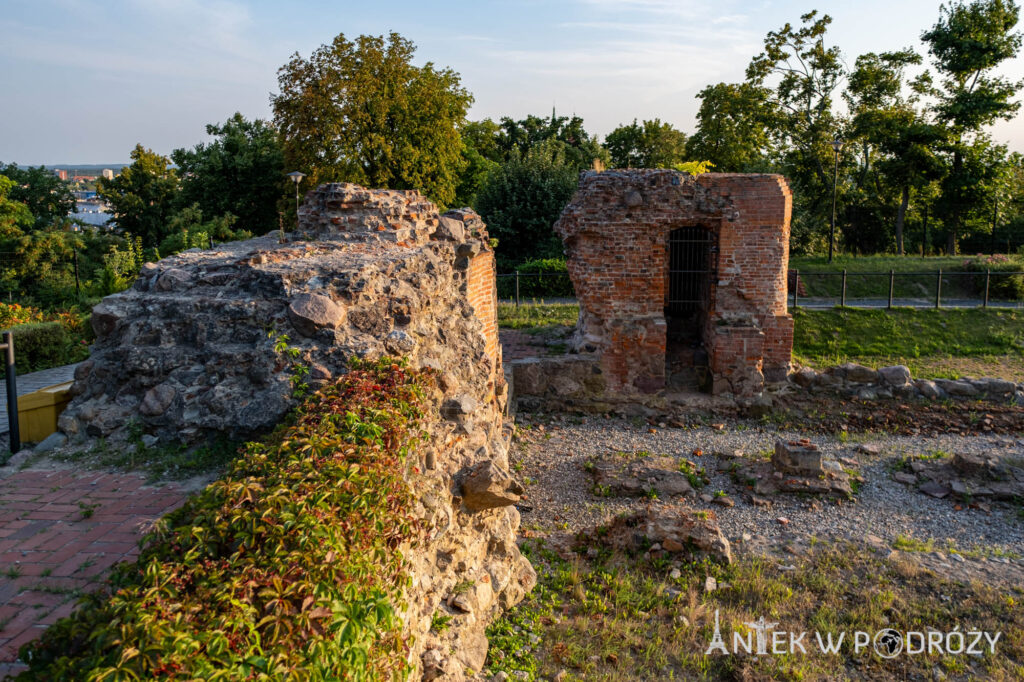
(522,199)
(143,196)
(895,138)
(967,43)
(48,198)
(652,144)
(802,74)
(984,168)
(733,128)
(578,148)
(362,112)
(15,218)
(240,173)
(188,229)
(481,155)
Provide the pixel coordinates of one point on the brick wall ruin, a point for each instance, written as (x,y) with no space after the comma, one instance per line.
(681,279)
(185,355)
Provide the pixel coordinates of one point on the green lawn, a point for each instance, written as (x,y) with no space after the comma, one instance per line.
(537,315)
(868,276)
(933,343)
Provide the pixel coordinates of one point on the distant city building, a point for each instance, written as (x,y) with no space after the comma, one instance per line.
(107,174)
(83,178)
(60,173)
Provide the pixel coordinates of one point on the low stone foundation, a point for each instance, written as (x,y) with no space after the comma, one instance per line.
(857,381)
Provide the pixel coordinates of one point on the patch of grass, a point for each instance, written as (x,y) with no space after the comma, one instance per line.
(695,475)
(12,572)
(903,463)
(622,618)
(440,622)
(537,315)
(915,276)
(87,509)
(160,462)
(932,343)
(908,544)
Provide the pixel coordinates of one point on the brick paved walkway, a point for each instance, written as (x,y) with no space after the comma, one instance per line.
(60,532)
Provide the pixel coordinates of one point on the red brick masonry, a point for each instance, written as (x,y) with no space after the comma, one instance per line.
(616,230)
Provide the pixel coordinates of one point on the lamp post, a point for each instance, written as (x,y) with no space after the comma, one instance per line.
(296,177)
(837,146)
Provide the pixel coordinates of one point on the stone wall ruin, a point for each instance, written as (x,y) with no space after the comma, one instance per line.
(681,279)
(188,353)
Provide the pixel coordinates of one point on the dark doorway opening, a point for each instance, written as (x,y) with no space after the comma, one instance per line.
(692,255)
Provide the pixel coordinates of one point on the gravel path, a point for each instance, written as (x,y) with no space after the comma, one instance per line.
(551,453)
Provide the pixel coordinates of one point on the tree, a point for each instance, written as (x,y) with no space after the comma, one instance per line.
(47,197)
(802,74)
(15,218)
(481,155)
(733,126)
(967,43)
(362,112)
(802,97)
(578,148)
(652,144)
(142,197)
(522,199)
(240,173)
(892,131)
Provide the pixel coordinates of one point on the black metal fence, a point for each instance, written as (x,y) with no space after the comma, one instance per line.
(535,287)
(922,289)
(934,289)
(11,378)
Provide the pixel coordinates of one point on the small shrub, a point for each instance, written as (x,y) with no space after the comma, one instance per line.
(40,345)
(1001,286)
(44,340)
(538,279)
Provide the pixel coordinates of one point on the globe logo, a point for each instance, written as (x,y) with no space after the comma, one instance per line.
(888,643)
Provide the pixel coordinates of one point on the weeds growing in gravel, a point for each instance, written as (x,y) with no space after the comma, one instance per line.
(617,617)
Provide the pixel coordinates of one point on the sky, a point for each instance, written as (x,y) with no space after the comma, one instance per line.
(83,81)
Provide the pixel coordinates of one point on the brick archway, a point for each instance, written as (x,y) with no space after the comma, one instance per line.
(616,233)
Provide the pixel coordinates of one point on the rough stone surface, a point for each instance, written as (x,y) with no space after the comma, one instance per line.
(185,356)
(802,457)
(860,374)
(676,530)
(310,313)
(616,232)
(968,477)
(487,486)
(644,476)
(865,384)
(897,375)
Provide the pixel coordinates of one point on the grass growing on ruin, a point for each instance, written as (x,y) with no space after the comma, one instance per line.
(537,316)
(932,343)
(617,618)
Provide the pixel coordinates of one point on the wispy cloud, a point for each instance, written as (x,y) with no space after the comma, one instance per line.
(207,41)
